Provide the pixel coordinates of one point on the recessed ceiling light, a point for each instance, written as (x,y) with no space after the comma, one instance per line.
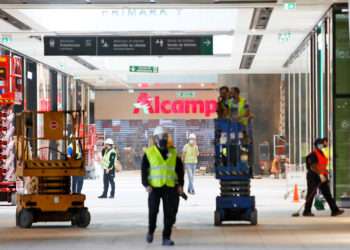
(131,91)
(179,86)
(202,85)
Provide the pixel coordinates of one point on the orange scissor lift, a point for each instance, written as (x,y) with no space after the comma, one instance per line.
(46,170)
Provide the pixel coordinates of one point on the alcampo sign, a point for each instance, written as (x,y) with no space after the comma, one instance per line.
(156,105)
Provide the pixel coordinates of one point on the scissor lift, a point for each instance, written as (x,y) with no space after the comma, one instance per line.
(47,171)
(231,167)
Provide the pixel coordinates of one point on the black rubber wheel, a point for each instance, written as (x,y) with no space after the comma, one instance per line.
(217,218)
(74,219)
(13,199)
(25,218)
(254,217)
(83,219)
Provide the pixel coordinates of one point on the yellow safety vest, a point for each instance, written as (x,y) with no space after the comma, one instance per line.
(242,111)
(106,157)
(162,172)
(190,152)
(326,153)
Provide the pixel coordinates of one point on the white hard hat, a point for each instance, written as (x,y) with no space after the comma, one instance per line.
(159,131)
(109,141)
(192,136)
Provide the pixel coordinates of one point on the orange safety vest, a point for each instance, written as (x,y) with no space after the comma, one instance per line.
(322,162)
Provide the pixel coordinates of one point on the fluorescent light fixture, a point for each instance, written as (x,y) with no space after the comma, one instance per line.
(222,44)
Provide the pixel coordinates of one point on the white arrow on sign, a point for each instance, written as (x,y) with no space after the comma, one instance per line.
(160,42)
(207,42)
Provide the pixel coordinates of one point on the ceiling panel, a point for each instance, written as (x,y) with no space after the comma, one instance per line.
(113,72)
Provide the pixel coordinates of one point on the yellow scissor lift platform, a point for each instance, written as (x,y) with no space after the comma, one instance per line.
(47,194)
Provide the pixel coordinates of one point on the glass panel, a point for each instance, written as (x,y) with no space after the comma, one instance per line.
(342,54)
(342,147)
(342,106)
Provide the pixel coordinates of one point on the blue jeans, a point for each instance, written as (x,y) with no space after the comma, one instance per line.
(190,169)
(77,184)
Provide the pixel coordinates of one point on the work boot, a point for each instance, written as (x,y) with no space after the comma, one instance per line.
(102,197)
(149,238)
(168,242)
(308,214)
(111,197)
(337,212)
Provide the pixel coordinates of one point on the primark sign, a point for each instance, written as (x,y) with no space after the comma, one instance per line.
(130,12)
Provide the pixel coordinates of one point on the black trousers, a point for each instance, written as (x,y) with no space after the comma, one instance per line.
(77,184)
(169,199)
(313,184)
(108,178)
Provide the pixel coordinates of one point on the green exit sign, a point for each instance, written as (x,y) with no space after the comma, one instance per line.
(144,69)
(6,39)
(186,94)
(290,6)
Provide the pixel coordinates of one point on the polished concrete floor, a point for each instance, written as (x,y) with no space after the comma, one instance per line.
(122,223)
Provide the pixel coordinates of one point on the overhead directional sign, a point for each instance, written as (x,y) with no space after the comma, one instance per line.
(144,69)
(127,46)
(69,46)
(123,46)
(182,45)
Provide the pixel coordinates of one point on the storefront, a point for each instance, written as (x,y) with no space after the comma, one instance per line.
(39,87)
(317,93)
(129,119)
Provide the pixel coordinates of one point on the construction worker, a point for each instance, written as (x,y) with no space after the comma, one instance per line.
(317,178)
(224,104)
(240,108)
(163,177)
(77,181)
(190,155)
(108,164)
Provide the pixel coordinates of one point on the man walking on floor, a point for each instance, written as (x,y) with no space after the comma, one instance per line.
(190,155)
(318,178)
(161,171)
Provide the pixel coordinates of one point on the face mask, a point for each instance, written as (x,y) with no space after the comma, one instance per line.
(191,141)
(162,143)
(319,146)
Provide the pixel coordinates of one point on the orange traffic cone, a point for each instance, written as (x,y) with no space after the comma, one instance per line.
(296,194)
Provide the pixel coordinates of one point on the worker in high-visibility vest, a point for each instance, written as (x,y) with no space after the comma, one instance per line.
(318,178)
(77,181)
(190,155)
(240,107)
(224,103)
(163,177)
(109,156)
